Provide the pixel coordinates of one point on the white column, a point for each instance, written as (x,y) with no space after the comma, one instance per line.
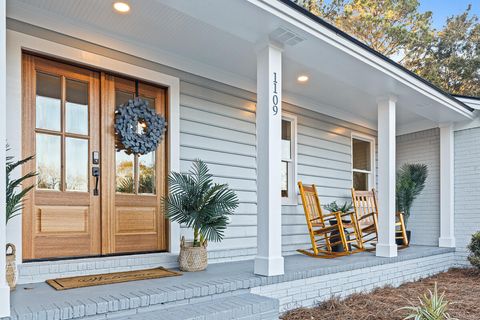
(386,246)
(447,222)
(269,260)
(4,289)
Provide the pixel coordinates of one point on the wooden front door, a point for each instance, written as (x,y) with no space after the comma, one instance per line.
(61,125)
(134,220)
(68,114)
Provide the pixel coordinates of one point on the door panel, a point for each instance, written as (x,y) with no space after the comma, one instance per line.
(60,110)
(135,187)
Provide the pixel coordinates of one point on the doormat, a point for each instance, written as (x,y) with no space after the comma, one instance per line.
(109,278)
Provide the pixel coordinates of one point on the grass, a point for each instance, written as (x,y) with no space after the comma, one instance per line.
(461,287)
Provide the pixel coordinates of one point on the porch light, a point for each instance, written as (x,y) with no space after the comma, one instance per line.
(302,78)
(121,7)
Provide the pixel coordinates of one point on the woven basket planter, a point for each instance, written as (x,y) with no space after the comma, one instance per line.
(11,268)
(192,258)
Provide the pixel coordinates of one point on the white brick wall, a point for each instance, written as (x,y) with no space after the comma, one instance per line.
(467,188)
(310,291)
(423,147)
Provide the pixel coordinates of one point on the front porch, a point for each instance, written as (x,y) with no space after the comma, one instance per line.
(306,281)
(230,88)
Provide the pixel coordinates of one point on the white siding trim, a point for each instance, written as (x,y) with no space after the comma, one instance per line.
(292,199)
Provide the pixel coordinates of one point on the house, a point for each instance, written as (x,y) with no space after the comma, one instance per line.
(266,94)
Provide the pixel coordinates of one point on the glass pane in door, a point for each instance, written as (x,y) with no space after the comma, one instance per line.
(122,97)
(76,164)
(124,171)
(48,102)
(146,173)
(48,159)
(76,107)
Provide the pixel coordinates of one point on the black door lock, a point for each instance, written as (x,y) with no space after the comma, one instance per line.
(96,174)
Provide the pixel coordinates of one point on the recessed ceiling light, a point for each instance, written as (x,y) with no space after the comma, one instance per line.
(121,7)
(302,78)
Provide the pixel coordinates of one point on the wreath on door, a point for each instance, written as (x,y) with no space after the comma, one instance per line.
(138,128)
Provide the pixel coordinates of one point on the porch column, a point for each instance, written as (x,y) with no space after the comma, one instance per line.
(386,246)
(4,289)
(269,260)
(447,223)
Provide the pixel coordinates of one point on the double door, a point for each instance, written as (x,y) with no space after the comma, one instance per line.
(90,199)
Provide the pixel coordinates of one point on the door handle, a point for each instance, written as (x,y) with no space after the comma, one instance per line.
(96,174)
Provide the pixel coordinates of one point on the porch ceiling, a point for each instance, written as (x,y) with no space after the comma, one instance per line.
(217,39)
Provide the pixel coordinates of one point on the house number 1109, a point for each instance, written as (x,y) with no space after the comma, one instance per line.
(275,95)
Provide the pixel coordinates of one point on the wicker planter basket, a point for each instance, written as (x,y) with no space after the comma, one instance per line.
(11,266)
(192,258)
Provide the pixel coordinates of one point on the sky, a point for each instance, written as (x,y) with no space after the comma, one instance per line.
(442,9)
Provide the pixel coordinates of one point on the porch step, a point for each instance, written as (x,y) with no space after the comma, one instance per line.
(246,306)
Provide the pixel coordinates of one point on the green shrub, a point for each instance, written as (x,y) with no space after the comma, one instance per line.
(474,248)
(432,307)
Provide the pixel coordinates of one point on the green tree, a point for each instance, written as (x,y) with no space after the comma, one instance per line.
(391,27)
(449,58)
(452,60)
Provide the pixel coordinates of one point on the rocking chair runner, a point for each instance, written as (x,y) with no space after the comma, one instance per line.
(327,231)
(366,210)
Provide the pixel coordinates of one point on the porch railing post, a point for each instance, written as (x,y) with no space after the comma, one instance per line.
(447,222)
(4,289)
(386,246)
(269,260)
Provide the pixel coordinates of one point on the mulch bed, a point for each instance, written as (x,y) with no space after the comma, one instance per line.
(461,287)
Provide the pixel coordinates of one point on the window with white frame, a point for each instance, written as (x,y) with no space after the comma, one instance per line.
(289,132)
(362,162)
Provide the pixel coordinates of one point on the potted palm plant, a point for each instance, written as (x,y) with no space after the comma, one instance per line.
(411,178)
(196,202)
(14,205)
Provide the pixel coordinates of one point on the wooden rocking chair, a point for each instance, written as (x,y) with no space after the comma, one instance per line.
(365,205)
(327,231)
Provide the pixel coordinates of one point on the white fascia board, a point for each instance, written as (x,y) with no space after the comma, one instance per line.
(48,20)
(471,102)
(304,23)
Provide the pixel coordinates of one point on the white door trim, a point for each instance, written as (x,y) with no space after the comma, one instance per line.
(16,42)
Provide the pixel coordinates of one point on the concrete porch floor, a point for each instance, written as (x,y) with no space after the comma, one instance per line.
(40,301)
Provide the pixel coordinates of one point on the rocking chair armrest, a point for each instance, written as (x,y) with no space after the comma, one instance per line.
(366,216)
(340,213)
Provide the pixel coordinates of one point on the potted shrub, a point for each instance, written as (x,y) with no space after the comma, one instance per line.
(14,205)
(334,207)
(410,183)
(195,201)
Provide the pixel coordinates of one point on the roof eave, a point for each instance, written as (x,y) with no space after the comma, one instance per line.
(449,100)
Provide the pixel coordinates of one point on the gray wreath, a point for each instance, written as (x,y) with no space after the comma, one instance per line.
(131,116)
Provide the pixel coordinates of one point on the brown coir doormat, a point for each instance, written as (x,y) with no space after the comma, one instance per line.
(109,278)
